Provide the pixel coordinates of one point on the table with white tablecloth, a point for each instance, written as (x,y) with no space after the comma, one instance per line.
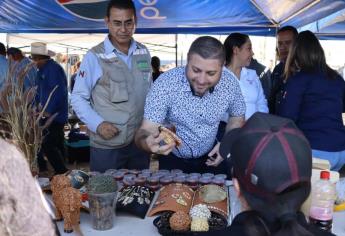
(127,225)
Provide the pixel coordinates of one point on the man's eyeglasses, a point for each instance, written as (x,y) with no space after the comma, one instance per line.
(127,24)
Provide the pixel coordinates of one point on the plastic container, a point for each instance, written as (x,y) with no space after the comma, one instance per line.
(322,202)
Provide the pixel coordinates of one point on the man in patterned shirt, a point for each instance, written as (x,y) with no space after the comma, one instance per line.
(193,99)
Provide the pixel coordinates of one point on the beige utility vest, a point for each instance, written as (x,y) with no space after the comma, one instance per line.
(119,95)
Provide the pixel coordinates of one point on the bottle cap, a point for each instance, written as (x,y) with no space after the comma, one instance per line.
(324,174)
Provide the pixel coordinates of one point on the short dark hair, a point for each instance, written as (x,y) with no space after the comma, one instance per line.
(208,48)
(308,54)
(288,28)
(2,49)
(233,40)
(14,51)
(155,62)
(121,4)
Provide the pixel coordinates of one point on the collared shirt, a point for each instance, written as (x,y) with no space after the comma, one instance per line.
(3,69)
(252,92)
(49,76)
(89,73)
(196,119)
(31,74)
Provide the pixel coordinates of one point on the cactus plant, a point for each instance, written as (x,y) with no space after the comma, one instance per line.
(102,184)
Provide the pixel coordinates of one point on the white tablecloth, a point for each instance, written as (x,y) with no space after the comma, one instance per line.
(129,225)
(126,225)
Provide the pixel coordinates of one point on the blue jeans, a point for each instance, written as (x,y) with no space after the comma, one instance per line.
(129,157)
(336,159)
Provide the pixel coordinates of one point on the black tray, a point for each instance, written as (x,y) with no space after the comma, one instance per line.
(216,222)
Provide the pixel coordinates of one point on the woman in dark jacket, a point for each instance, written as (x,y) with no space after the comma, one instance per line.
(314,98)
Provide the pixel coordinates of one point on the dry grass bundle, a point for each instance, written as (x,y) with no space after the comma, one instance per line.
(21,116)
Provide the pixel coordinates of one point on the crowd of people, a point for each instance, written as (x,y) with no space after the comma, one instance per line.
(215,104)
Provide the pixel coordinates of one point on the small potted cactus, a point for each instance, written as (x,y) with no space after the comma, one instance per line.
(102,191)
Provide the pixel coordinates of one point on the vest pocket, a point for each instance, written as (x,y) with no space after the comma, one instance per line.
(118,91)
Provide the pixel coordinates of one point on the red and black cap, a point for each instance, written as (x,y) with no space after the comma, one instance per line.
(269,154)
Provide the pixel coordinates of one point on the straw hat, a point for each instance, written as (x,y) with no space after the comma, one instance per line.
(40,48)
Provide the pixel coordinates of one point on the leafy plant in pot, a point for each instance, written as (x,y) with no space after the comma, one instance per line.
(21,117)
(102,190)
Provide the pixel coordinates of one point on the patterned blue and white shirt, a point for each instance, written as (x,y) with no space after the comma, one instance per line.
(196,119)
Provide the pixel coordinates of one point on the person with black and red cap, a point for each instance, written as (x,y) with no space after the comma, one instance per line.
(272,166)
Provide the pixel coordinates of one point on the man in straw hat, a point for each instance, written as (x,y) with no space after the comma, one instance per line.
(50,75)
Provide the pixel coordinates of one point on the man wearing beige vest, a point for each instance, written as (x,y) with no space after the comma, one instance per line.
(110,90)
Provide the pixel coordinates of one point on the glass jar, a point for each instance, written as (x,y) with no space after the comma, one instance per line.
(125,171)
(220,176)
(176,171)
(127,182)
(163,172)
(110,172)
(218,181)
(193,182)
(118,176)
(144,175)
(141,181)
(134,172)
(129,176)
(152,181)
(195,175)
(205,181)
(146,171)
(180,179)
(166,180)
(158,175)
(207,175)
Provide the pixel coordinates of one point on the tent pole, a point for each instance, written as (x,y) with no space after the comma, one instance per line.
(176,38)
(311,4)
(7,40)
(67,67)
